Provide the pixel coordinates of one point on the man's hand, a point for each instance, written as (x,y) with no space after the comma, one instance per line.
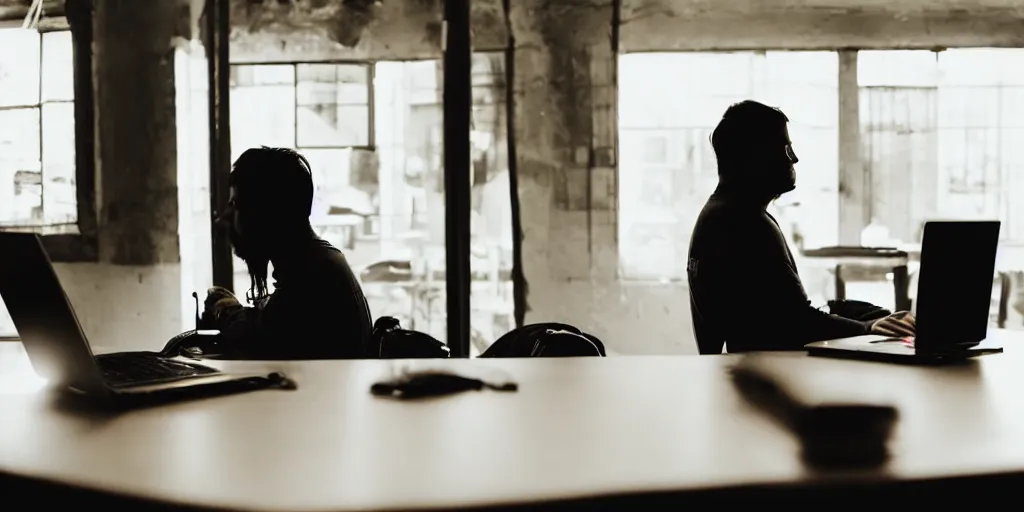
(218,300)
(897,324)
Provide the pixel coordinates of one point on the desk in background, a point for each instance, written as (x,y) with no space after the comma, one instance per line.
(578,428)
(893,260)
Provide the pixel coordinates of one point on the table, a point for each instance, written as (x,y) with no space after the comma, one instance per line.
(888,258)
(577,428)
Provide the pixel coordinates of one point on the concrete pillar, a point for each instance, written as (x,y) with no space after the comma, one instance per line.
(131,299)
(566,128)
(853,184)
(136,139)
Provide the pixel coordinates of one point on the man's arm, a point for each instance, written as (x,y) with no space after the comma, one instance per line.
(780,315)
(238,323)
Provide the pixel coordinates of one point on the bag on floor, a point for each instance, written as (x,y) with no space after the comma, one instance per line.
(390,341)
(546,340)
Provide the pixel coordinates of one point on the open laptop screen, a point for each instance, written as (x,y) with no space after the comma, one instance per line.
(42,314)
(955,284)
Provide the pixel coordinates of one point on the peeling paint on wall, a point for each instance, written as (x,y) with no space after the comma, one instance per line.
(312,30)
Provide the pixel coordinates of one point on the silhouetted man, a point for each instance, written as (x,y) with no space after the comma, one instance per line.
(745,291)
(318,309)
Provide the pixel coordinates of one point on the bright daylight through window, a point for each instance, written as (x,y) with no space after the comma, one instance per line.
(37,136)
(939,137)
(373,135)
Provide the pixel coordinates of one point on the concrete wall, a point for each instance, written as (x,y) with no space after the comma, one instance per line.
(124,307)
(333,30)
(566,143)
(665,25)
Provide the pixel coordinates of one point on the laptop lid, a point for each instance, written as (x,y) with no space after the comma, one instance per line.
(954,292)
(43,316)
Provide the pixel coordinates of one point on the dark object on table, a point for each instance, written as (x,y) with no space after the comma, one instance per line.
(390,341)
(846,435)
(433,383)
(193,344)
(282,381)
(546,340)
(857,310)
(831,436)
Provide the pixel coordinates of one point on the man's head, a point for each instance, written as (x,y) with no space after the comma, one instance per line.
(271,196)
(753,148)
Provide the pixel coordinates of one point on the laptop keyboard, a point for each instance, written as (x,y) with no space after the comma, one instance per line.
(127,368)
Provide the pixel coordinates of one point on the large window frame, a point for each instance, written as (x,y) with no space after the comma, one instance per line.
(992,181)
(369,66)
(366,141)
(65,243)
(37,108)
(296,82)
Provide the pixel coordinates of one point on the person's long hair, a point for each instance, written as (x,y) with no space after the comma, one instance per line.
(276,186)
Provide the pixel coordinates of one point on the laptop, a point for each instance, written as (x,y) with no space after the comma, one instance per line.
(954,297)
(59,352)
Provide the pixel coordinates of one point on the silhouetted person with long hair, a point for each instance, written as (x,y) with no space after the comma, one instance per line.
(745,292)
(318,309)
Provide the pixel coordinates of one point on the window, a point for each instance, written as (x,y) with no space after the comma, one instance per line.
(37,131)
(373,134)
(331,100)
(37,136)
(323,110)
(941,135)
(668,167)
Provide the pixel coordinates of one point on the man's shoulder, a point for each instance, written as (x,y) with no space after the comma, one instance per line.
(326,257)
(722,215)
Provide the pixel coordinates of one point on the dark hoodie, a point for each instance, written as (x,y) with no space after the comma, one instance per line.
(745,291)
(317,310)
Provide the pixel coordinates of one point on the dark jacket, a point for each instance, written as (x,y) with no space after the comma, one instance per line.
(745,291)
(317,311)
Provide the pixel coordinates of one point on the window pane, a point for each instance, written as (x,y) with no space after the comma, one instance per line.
(984,67)
(805,85)
(668,167)
(331,179)
(333,125)
(897,68)
(342,212)
(273,123)
(343,84)
(58,67)
(401,258)
(332,102)
(20,178)
(59,198)
(19,67)
(424,82)
(945,147)
(249,75)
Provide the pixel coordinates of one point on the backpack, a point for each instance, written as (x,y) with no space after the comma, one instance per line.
(546,340)
(390,341)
